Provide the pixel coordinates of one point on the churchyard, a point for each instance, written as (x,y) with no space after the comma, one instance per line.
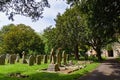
(43,67)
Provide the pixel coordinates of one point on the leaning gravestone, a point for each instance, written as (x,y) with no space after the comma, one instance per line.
(17,58)
(64,55)
(51,54)
(31,60)
(52,66)
(2,59)
(12,58)
(38,59)
(24,58)
(58,58)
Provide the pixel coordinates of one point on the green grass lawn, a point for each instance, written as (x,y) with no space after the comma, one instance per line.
(35,75)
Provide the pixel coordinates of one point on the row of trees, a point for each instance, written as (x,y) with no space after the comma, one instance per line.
(88,23)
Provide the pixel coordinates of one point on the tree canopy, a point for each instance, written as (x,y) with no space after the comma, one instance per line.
(102,19)
(28,8)
(70,30)
(93,23)
(21,38)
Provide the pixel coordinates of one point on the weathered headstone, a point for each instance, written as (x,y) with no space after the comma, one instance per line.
(52,56)
(70,63)
(64,55)
(17,58)
(45,59)
(31,60)
(38,59)
(7,57)
(52,66)
(24,58)
(12,58)
(2,59)
(58,57)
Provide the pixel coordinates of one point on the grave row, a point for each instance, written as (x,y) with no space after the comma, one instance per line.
(38,59)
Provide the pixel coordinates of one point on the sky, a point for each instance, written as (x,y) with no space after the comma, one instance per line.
(49,14)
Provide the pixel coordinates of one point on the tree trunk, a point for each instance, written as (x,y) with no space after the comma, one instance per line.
(98,50)
(76,52)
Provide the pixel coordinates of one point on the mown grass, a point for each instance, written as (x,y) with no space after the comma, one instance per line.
(35,75)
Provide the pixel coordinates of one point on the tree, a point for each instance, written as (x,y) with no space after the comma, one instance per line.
(3,31)
(22,38)
(28,8)
(49,38)
(103,20)
(70,30)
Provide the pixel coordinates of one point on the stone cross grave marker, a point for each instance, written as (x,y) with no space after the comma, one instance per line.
(24,58)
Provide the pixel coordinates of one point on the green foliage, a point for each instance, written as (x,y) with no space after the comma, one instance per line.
(70,30)
(68,33)
(109,46)
(29,8)
(49,38)
(102,21)
(21,38)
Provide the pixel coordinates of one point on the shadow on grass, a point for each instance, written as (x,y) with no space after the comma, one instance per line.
(53,76)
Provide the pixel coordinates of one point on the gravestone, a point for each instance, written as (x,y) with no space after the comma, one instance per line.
(52,56)
(31,60)
(38,59)
(24,58)
(64,55)
(52,66)
(45,59)
(2,59)
(17,58)
(12,58)
(7,57)
(58,58)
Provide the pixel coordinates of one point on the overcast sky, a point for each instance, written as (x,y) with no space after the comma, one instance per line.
(57,6)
